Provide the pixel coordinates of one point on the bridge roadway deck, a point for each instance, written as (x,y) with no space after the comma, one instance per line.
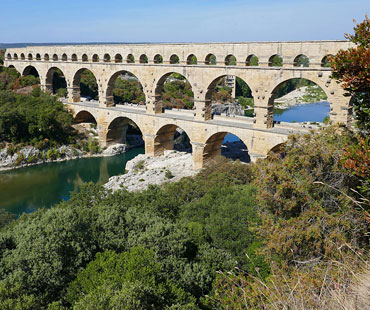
(187,115)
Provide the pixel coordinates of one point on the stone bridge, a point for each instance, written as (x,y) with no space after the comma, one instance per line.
(202,65)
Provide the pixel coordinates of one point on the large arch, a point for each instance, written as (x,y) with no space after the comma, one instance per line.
(88,89)
(112,97)
(118,130)
(55,82)
(313,93)
(30,70)
(183,98)
(170,137)
(84,117)
(218,145)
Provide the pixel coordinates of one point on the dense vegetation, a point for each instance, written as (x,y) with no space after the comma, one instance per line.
(174,246)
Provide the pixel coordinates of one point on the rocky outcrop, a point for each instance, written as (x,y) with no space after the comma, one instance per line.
(144,170)
(230,109)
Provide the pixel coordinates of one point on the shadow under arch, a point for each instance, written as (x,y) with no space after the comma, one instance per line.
(310,92)
(225,144)
(55,80)
(123,130)
(124,86)
(84,84)
(30,70)
(171,137)
(180,95)
(84,117)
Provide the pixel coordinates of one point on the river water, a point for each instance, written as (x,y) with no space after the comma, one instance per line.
(30,188)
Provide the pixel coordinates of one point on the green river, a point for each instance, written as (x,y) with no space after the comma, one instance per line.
(27,189)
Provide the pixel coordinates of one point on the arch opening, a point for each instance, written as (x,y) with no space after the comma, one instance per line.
(252,60)
(30,77)
(23,57)
(158,59)
(118,58)
(227,145)
(211,60)
(143,59)
(38,56)
(95,58)
(230,60)
(173,90)
(230,96)
(275,61)
(74,57)
(84,117)
(85,86)
(55,57)
(64,57)
(192,60)
(85,58)
(174,59)
(301,61)
(30,57)
(56,82)
(9,56)
(299,100)
(46,57)
(130,59)
(124,88)
(325,62)
(107,58)
(123,130)
(171,137)
(30,70)
(15,56)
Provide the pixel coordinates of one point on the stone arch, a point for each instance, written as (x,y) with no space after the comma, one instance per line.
(64,57)
(107,58)
(191,60)
(76,85)
(211,59)
(46,57)
(118,58)
(174,59)
(274,93)
(230,60)
(158,59)
(252,60)
(117,130)
(9,56)
(30,56)
(84,117)
(275,61)
(95,58)
(23,57)
(15,56)
(143,59)
(188,100)
(301,61)
(130,59)
(55,80)
(30,70)
(165,139)
(325,61)
(85,58)
(74,57)
(213,148)
(111,84)
(38,56)
(55,57)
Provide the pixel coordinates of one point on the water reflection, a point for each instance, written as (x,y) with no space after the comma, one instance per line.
(28,189)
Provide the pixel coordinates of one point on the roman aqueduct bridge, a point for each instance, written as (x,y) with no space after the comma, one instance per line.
(202,64)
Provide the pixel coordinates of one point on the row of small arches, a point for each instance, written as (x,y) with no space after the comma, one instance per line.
(230,60)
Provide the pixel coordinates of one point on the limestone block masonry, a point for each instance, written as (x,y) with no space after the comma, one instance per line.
(107,62)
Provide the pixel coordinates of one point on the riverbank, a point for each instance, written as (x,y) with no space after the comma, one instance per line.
(301,95)
(19,157)
(143,171)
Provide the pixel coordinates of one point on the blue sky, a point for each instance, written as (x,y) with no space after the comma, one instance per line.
(177,21)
